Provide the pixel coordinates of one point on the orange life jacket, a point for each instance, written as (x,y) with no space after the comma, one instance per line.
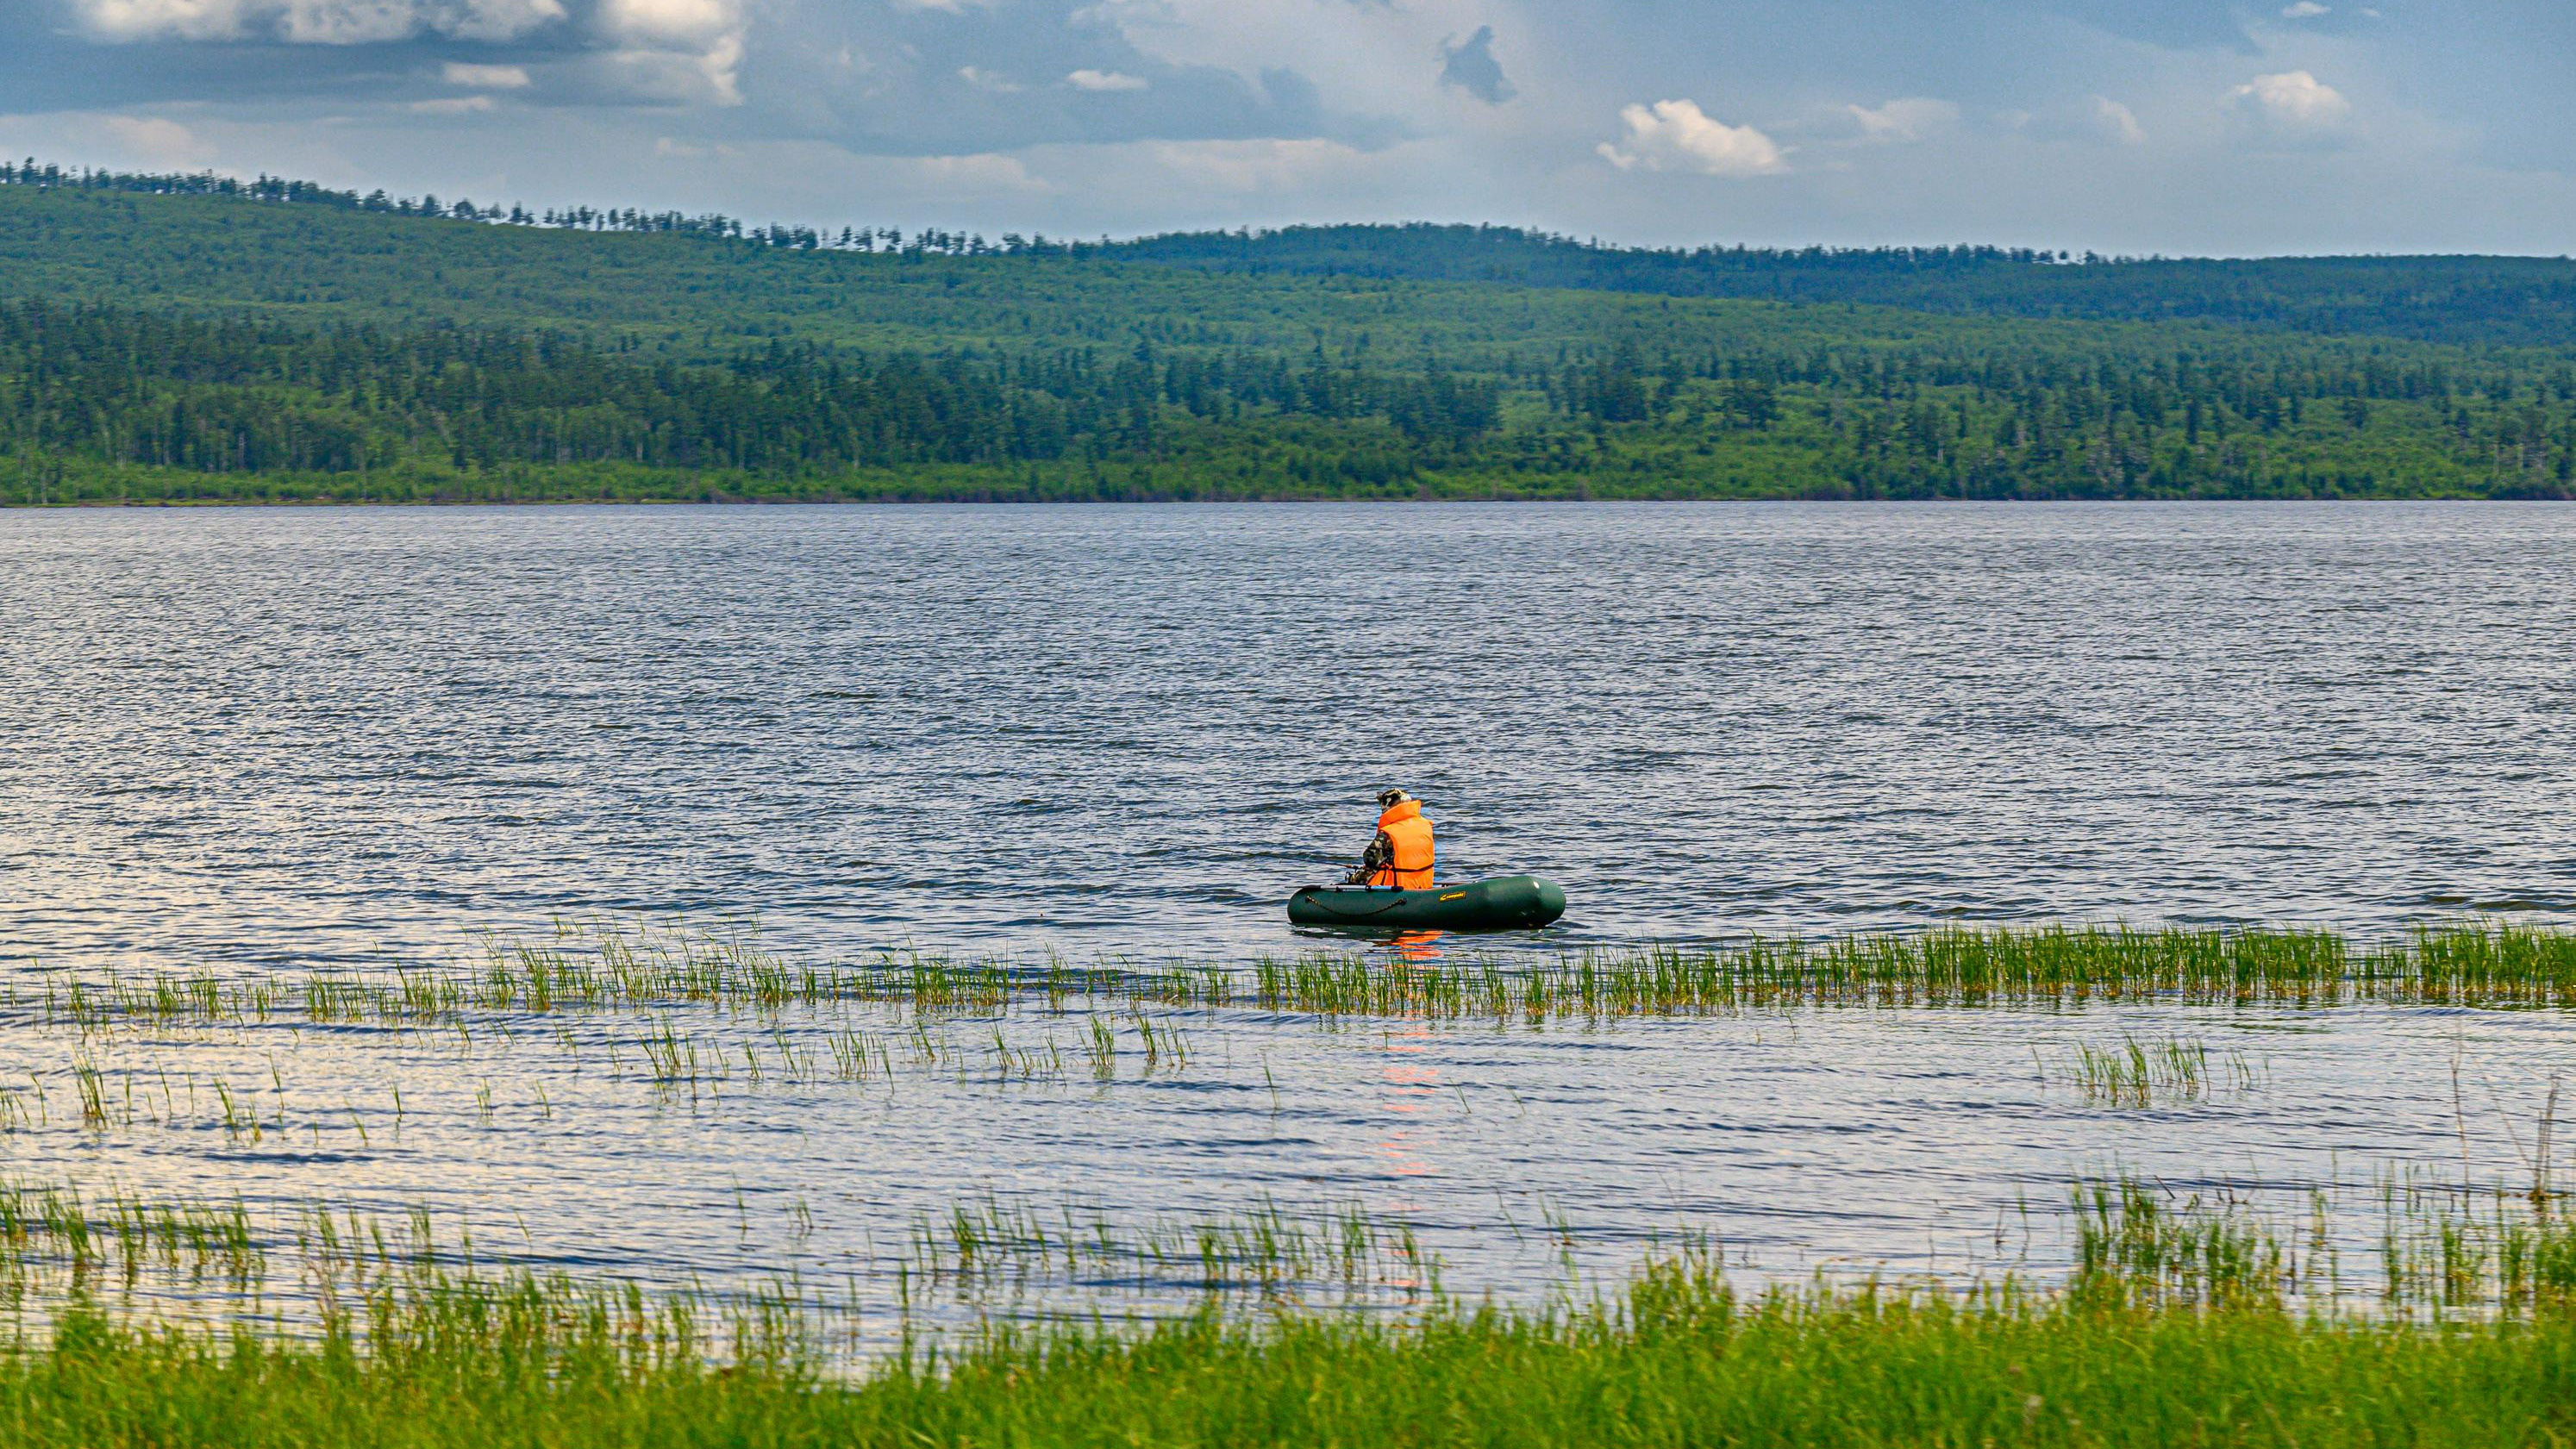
(1405,828)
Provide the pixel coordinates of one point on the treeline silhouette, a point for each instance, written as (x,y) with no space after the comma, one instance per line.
(712,226)
(2511,301)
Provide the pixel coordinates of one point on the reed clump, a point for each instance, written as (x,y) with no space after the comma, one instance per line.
(2135,1247)
(2136,1073)
(976,1248)
(58,1246)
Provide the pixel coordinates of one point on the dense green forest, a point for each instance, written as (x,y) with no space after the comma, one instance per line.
(194,338)
(2516,301)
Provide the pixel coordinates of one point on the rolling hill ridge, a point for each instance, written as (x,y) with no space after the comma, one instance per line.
(177,338)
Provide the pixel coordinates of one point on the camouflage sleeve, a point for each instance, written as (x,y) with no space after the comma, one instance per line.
(1380,853)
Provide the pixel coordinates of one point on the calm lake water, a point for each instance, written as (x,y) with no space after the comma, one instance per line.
(274,741)
(235,734)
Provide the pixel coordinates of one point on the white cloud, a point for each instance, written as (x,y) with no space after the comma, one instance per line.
(507,19)
(689,150)
(348,22)
(2305,10)
(450,106)
(680,49)
(1908,118)
(183,19)
(485,77)
(719,65)
(981,171)
(1104,80)
(316,22)
(1679,136)
(985,80)
(1244,167)
(671,19)
(159,142)
(660,76)
(2293,105)
(2118,122)
(1367,58)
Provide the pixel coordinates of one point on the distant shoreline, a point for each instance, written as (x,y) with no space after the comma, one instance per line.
(175,349)
(431,505)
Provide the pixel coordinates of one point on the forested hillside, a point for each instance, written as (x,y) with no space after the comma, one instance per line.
(2515,301)
(276,345)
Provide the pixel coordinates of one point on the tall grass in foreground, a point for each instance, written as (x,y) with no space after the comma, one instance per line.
(2181,1323)
(632,965)
(1678,1358)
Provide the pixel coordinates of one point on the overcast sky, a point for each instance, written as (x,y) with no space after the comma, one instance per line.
(2179,126)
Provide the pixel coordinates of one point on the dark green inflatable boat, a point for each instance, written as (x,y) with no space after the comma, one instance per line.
(1506,903)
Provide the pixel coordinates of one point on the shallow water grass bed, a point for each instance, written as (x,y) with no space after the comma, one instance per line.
(688,1107)
(1677,1360)
(596,964)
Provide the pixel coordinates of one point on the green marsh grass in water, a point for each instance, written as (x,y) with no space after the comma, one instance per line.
(1675,1357)
(612,1182)
(622,965)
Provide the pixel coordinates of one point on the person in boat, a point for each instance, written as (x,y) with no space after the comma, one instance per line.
(1400,856)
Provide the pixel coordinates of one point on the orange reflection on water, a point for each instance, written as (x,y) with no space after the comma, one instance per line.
(1408,1084)
(1415,946)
